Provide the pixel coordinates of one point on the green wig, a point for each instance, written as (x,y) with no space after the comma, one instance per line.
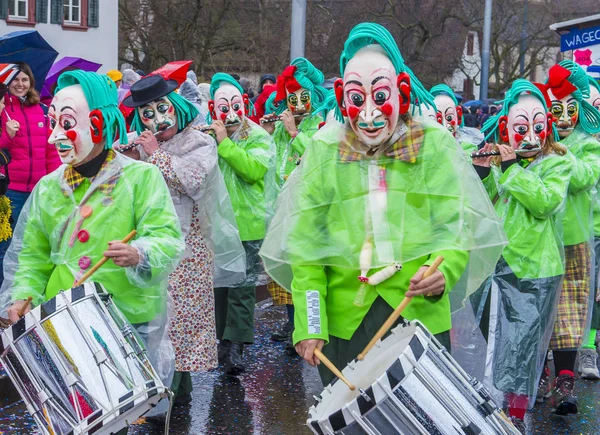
(589,116)
(443,89)
(217,80)
(307,76)
(365,34)
(270,105)
(329,104)
(594,83)
(429,102)
(101,94)
(186,113)
(518,88)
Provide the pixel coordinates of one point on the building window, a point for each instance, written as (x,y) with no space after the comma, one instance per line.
(17,9)
(470,44)
(71,12)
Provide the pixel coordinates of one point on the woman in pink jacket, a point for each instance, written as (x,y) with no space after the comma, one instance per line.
(24,126)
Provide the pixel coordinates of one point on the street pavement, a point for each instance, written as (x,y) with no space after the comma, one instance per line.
(274,396)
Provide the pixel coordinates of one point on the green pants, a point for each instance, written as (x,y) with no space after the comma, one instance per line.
(341,351)
(234,313)
(234,307)
(182,384)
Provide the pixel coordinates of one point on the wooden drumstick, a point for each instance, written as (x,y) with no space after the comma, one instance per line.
(104,259)
(27,303)
(394,316)
(333,368)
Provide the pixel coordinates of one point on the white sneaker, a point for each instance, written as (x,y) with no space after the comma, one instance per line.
(587,364)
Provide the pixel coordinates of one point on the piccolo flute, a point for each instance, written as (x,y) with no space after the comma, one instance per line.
(278,118)
(497,153)
(208,127)
(133,144)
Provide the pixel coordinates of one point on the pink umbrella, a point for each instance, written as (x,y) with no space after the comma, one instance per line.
(66,64)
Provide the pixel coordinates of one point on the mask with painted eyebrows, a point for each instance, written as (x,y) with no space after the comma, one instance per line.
(594,99)
(229,104)
(566,112)
(447,108)
(371,96)
(527,127)
(299,102)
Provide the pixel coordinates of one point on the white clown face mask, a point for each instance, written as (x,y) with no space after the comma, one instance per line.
(527,126)
(69,115)
(566,113)
(229,104)
(594,99)
(371,97)
(449,112)
(159,117)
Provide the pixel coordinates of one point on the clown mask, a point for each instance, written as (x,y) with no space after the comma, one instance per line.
(451,118)
(594,99)
(371,98)
(228,105)
(299,102)
(424,113)
(159,117)
(566,113)
(526,127)
(69,115)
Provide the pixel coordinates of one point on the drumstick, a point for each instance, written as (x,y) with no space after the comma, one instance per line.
(394,316)
(333,368)
(27,303)
(104,259)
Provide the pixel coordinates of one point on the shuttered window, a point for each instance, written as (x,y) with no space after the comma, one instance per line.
(56,11)
(41,11)
(93,18)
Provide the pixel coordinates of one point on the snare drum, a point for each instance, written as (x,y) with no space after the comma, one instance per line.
(407,384)
(79,365)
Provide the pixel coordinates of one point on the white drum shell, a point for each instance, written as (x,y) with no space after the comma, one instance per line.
(79,366)
(414,387)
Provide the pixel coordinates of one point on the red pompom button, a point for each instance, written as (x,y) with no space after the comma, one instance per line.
(83,236)
(85,262)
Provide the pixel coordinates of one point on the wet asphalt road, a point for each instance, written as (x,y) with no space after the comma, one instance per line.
(274,396)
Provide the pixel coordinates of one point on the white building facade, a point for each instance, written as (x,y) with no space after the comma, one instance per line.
(81,28)
(466,78)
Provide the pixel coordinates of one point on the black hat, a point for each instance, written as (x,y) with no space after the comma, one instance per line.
(149,89)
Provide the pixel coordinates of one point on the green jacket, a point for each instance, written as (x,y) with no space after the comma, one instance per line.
(245,160)
(424,216)
(139,199)
(529,200)
(290,150)
(584,154)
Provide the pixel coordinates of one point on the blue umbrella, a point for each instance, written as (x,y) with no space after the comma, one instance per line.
(28,46)
(473,103)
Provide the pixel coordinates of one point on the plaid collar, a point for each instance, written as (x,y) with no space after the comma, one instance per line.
(74,178)
(404,144)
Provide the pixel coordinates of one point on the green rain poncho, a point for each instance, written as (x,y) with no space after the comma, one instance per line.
(333,204)
(246,160)
(584,154)
(289,150)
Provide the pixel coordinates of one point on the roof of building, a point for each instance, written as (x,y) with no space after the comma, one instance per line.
(578,23)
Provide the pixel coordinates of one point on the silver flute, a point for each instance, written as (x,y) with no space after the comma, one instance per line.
(278,118)
(133,144)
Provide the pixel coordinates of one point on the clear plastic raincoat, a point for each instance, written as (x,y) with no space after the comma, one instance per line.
(350,211)
(469,139)
(290,150)
(247,161)
(197,186)
(53,244)
(523,293)
(576,300)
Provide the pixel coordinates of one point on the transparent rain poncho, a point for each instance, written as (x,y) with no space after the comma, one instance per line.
(518,303)
(469,139)
(54,244)
(190,91)
(198,182)
(354,211)
(247,161)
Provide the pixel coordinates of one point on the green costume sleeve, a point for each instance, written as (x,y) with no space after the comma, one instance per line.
(540,196)
(309,292)
(159,236)
(585,167)
(248,167)
(300,142)
(34,257)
